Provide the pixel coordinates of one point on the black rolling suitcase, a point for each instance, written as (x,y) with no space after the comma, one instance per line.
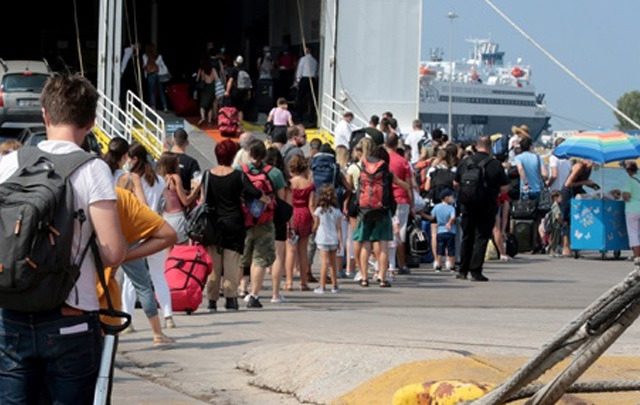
(524,229)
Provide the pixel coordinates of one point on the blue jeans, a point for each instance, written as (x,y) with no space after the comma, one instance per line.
(156,89)
(138,274)
(48,356)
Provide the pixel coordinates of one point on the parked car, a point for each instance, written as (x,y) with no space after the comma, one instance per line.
(32,136)
(21,82)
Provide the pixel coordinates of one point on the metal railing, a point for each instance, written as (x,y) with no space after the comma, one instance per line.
(146,126)
(138,122)
(332,111)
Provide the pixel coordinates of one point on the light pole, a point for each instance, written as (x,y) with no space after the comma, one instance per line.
(451,16)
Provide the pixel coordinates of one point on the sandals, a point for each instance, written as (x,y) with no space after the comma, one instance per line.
(364,283)
(163,340)
(385,284)
(288,287)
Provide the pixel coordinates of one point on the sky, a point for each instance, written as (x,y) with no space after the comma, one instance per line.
(597,40)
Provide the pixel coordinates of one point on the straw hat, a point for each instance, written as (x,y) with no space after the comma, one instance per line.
(521,130)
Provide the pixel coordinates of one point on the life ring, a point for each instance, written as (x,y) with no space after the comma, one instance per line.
(517,72)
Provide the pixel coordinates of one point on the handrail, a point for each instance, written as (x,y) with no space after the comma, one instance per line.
(330,115)
(146,126)
(139,122)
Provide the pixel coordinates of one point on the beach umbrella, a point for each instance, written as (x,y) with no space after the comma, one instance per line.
(600,147)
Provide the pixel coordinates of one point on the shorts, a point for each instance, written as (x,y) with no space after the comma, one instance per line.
(446,244)
(178,222)
(260,246)
(633,229)
(328,248)
(402,212)
(281,232)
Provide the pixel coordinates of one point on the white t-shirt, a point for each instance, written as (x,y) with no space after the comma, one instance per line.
(330,219)
(343,133)
(564,169)
(412,139)
(91,183)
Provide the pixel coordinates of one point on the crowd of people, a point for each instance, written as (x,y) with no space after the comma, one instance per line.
(274,204)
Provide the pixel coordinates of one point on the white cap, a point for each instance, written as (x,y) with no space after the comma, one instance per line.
(239,60)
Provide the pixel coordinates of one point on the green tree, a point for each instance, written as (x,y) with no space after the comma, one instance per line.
(629,104)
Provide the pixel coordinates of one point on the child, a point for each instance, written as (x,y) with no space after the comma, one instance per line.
(327,224)
(555,224)
(445,216)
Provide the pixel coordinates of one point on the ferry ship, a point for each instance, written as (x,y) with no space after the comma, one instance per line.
(487,96)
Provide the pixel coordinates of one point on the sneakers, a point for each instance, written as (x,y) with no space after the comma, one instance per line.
(358,277)
(231,304)
(168,323)
(504,258)
(278,300)
(318,290)
(437,267)
(461,276)
(342,274)
(348,274)
(335,290)
(479,277)
(212,306)
(254,302)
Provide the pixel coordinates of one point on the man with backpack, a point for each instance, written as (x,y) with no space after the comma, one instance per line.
(54,200)
(479,178)
(296,139)
(259,246)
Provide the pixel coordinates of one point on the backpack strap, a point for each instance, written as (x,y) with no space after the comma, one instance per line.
(64,164)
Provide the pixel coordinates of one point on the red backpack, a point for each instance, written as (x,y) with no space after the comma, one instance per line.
(256,212)
(375,192)
(228,121)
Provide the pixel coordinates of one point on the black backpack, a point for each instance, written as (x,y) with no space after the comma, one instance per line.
(441,179)
(356,136)
(473,183)
(37,220)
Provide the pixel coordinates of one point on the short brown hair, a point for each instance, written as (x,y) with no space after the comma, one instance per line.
(298,164)
(70,100)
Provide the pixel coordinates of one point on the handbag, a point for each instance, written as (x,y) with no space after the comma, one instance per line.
(268,127)
(219,88)
(283,211)
(544,201)
(200,222)
(524,208)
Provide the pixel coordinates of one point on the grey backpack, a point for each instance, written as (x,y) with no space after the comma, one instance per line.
(37,221)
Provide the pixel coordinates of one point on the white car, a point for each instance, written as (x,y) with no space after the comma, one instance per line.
(21,82)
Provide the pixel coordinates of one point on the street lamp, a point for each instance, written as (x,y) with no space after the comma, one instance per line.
(451,16)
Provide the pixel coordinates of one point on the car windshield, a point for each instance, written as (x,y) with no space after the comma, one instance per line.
(21,82)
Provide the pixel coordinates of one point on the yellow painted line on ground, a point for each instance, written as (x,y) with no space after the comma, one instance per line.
(381,389)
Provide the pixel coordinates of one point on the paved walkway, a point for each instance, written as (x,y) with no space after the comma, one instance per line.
(319,349)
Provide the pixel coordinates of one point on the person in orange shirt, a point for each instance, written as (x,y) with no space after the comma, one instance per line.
(138,222)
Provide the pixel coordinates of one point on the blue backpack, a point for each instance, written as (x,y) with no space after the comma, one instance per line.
(500,148)
(326,172)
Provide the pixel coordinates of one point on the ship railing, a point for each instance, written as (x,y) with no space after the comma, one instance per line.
(332,111)
(137,122)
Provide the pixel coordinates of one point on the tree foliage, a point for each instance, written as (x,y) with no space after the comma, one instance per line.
(629,104)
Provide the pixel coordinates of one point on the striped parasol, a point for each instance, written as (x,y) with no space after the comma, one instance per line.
(600,147)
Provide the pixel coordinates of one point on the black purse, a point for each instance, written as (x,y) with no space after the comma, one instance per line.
(524,208)
(200,221)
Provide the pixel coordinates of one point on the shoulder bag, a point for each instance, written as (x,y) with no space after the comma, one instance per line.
(200,222)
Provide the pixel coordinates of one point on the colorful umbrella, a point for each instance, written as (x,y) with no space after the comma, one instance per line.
(600,147)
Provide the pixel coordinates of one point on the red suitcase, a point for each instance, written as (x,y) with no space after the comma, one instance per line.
(182,100)
(186,271)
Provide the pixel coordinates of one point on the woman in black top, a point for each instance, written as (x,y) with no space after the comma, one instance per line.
(226,192)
